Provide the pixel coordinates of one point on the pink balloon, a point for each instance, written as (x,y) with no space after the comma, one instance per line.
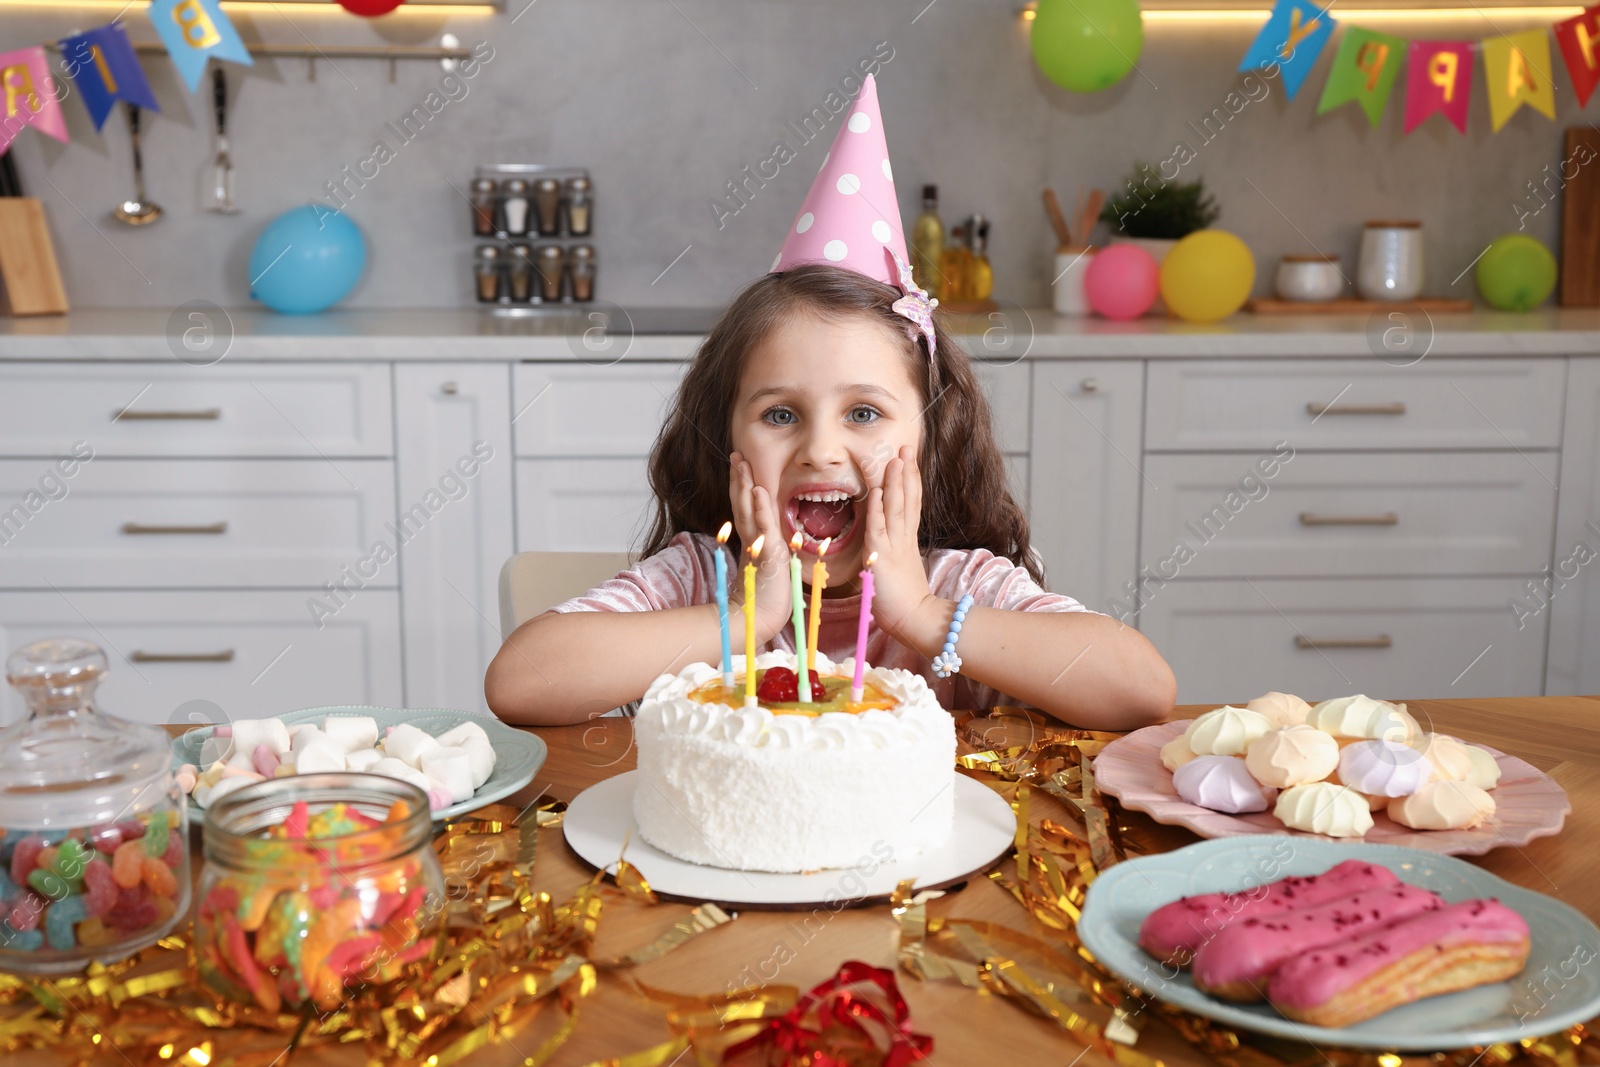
(1121,281)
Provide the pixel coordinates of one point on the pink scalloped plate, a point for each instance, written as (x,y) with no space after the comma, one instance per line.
(1528,802)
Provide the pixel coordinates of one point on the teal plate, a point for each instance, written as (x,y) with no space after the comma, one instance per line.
(518,754)
(1559,986)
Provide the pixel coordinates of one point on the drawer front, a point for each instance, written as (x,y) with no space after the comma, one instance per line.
(1218,405)
(1404,513)
(184,523)
(1009,388)
(581,410)
(1230,641)
(194,657)
(582,505)
(230,409)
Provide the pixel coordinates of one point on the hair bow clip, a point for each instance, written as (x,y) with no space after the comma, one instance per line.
(915,305)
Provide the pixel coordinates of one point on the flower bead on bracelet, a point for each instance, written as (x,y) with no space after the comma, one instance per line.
(947,662)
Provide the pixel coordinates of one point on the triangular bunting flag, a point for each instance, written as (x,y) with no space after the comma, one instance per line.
(105,69)
(1438,78)
(194,31)
(30,96)
(1364,70)
(1291,40)
(1517,70)
(1579,38)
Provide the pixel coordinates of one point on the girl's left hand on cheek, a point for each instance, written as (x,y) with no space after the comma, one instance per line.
(894,513)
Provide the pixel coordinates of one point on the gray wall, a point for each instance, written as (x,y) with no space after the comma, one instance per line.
(666,100)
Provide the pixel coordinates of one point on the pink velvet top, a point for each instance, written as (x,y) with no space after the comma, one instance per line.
(684,574)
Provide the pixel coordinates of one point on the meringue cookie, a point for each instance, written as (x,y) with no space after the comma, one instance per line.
(1360,717)
(1324,808)
(1176,753)
(1225,731)
(1384,768)
(1447,756)
(1221,783)
(1292,755)
(1443,806)
(1485,769)
(1373,803)
(1281,709)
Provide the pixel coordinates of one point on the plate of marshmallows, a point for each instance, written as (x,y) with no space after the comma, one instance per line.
(1351,768)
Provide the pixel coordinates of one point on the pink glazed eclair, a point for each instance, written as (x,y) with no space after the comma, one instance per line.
(1237,963)
(1172,932)
(1470,943)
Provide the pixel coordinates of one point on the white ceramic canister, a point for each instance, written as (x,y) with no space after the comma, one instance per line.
(1310,279)
(1071,265)
(1391,261)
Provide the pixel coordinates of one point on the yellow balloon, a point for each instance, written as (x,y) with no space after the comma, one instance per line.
(1207,276)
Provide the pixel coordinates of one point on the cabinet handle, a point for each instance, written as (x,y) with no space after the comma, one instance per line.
(1381,641)
(1388,518)
(1089,385)
(449,388)
(203,415)
(225,656)
(1396,408)
(141,528)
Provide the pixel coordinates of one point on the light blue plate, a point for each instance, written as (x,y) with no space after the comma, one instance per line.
(518,754)
(1559,987)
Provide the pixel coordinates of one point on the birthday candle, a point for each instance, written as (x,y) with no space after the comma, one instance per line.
(819,581)
(799,597)
(750,624)
(858,684)
(722,604)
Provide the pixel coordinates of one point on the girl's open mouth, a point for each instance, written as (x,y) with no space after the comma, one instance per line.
(820,514)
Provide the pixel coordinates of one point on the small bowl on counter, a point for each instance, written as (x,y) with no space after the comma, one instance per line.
(1310,278)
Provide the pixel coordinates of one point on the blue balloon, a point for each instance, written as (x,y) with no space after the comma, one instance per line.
(306,260)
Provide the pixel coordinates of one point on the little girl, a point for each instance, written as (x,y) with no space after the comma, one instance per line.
(826,402)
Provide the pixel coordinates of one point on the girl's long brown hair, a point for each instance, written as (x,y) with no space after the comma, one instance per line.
(966,498)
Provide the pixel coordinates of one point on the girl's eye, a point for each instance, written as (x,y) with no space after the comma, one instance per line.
(864,415)
(778,417)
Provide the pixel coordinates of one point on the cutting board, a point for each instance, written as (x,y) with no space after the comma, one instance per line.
(30,282)
(1580,220)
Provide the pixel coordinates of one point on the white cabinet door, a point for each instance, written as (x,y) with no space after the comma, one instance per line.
(1085,478)
(583,410)
(1572,598)
(582,505)
(454,464)
(1008,387)
(218,655)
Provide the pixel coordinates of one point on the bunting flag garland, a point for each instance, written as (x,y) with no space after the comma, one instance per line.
(1364,70)
(105,69)
(1438,78)
(1292,39)
(30,96)
(194,31)
(1579,38)
(1516,68)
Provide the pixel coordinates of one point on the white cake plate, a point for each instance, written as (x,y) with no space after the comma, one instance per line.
(601,817)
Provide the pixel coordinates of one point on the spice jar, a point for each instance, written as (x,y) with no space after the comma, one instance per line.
(547,198)
(580,205)
(483,204)
(314,884)
(94,861)
(486,273)
(551,262)
(519,273)
(583,268)
(514,207)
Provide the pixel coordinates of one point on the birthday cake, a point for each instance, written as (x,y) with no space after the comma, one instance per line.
(790,786)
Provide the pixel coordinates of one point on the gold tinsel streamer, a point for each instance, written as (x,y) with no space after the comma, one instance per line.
(510,954)
(1052,869)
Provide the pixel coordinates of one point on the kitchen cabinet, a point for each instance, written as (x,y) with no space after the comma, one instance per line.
(1568,591)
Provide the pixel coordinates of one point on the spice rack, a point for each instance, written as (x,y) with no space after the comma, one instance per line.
(533,224)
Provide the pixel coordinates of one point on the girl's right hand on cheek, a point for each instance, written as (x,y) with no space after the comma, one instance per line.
(755,514)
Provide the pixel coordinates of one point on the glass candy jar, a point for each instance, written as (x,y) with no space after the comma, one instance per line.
(94,861)
(313,884)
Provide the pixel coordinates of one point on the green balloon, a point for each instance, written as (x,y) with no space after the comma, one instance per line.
(1087,45)
(1516,273)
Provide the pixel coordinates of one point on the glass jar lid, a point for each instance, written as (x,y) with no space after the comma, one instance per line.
(67,765)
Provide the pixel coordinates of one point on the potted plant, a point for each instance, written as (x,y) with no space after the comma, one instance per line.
(1155,213)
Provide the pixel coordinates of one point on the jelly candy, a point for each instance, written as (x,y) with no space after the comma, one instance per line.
(92,931)
(155,838)
(25,913)
(128,864)
(26,857)
(159,877)
(105,839)
(130,829)
(174,854)
(21,940)
(100,887)
(61,920)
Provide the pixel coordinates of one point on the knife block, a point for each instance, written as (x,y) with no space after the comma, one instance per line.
(30,281)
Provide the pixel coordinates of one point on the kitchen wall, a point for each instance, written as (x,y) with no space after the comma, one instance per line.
(666,101)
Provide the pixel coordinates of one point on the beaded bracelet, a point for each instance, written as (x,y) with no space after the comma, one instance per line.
(947,662)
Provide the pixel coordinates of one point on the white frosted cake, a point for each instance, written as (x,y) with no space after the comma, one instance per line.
(790,786)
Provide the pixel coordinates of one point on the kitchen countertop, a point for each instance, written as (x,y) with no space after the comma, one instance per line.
(448,334)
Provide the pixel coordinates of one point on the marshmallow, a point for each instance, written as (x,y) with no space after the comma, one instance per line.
(390,767)
(351,732)
(241,772)
(265,761)
(409,744)
(438,798)
(452,769)
(248,733)
(303,735)
(319,756)
(188,777)
(362,759)
(458,735)
(481,758)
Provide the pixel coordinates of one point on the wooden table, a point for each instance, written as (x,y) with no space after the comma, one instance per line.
(1559,735)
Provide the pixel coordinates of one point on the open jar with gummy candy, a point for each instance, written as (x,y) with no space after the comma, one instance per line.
(314,885)
(94,861)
